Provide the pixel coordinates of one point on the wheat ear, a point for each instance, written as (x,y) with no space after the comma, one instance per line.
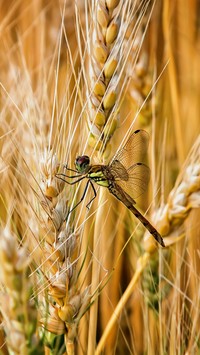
(182,199)
(17,308)
(66,303)
(103,69)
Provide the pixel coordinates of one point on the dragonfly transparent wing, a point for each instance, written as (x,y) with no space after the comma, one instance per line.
(126,167)
(134,149)
(138,178)
(118,170)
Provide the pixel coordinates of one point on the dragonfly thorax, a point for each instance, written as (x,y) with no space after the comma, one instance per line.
(82,164)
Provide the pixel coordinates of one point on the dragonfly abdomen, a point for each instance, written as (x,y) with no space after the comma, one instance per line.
(121,195)
(147,225)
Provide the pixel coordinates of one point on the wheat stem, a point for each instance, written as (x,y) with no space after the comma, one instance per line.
(141,264)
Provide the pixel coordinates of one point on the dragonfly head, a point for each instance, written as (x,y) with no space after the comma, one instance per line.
(82,164)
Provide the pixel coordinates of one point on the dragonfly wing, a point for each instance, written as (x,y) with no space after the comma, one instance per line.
(118,171)
(138,179)
(134,149)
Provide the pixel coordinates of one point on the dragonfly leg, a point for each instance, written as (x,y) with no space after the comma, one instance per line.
(66,168)
(71,177)
(95,195)
(82,198)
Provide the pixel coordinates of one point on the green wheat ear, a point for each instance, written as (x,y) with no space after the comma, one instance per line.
(155,290)
(17,308)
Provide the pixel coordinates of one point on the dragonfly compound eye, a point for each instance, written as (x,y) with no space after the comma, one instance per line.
(82,163)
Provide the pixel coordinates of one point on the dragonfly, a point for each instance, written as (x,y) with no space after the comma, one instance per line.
(126,177)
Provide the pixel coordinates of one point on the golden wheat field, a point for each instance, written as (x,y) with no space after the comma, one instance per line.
(84,87)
